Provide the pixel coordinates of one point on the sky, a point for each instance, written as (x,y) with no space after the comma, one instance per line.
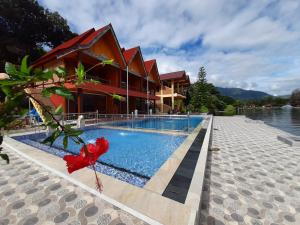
(252,45)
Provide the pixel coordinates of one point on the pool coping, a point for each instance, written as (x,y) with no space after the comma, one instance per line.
(146,201)
(169,132)
(162,177)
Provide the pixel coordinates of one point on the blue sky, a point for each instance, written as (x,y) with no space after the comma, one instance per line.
(241,43)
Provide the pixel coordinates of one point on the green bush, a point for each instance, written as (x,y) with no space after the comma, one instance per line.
(204,109)
(229,110)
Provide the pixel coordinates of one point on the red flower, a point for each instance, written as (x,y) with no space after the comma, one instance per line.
(82,160)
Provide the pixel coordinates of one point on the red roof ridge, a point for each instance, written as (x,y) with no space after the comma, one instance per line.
(173,75)
(129,53)
(149,63)
(179,71)
(68,44)
(83,39)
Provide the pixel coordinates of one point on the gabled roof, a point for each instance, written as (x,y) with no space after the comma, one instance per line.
(82,41)
(66,45)
(173,75)
(149,65)
(129,54)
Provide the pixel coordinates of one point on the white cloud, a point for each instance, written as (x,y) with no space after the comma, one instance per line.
(248,44)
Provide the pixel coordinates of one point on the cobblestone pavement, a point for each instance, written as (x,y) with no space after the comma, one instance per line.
(30,194)
(253,178)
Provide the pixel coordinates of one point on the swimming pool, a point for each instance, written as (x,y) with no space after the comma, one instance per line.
(186,124)
(140,153)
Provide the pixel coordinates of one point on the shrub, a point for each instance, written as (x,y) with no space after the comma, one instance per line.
(229,110)
(204,109)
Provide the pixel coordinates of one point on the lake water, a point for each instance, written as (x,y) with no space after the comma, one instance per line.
(287,119)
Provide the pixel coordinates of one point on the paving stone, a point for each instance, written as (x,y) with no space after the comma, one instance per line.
(257,175)
(41,197)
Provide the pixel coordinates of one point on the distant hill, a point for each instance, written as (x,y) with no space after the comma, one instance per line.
(284,96)
(241,94)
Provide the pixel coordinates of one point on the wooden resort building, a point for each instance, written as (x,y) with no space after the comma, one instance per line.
(172,91)
(138,81)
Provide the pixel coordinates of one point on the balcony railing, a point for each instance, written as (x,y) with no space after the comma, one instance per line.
(103,81)
(130,87)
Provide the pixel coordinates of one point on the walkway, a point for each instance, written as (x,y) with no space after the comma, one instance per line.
(30,194)
(253,178)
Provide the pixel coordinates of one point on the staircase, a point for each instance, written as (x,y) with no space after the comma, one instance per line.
(36,93)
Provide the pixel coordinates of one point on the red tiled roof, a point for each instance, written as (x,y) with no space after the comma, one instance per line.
(173,75)
(80,40)
(148,64)
(129,53)
(91,37)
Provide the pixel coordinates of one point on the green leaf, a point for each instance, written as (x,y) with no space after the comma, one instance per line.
(65,142)
(73,132)
(5,157)
(46,75)
(10,69)
(6,90)
(59,110)
(80,72)
(24,65)
(62,91)
(108,62)
(118,97)
(61,72)
(52,137)
(8,82)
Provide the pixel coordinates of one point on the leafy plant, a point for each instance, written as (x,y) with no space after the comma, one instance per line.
(229,110)
(16,90)
(204,109)
(21,78)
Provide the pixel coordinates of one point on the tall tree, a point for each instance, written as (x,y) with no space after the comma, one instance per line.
(26,28)
(205,95)
(199,96)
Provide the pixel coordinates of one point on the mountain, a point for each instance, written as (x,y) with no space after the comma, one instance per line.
(284,96)
(241,94)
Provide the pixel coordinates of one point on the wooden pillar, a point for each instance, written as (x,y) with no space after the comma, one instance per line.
(178,87)
(172,88)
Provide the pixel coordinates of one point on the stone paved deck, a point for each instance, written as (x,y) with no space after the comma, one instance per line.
(30,194)
(253,179)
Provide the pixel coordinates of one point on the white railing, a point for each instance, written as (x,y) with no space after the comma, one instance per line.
(115,120)
(120,120)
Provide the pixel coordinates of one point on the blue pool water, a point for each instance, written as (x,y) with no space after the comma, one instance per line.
(161,123)
(139,152)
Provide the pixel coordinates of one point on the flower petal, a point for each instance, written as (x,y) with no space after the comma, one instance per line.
(75,162)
